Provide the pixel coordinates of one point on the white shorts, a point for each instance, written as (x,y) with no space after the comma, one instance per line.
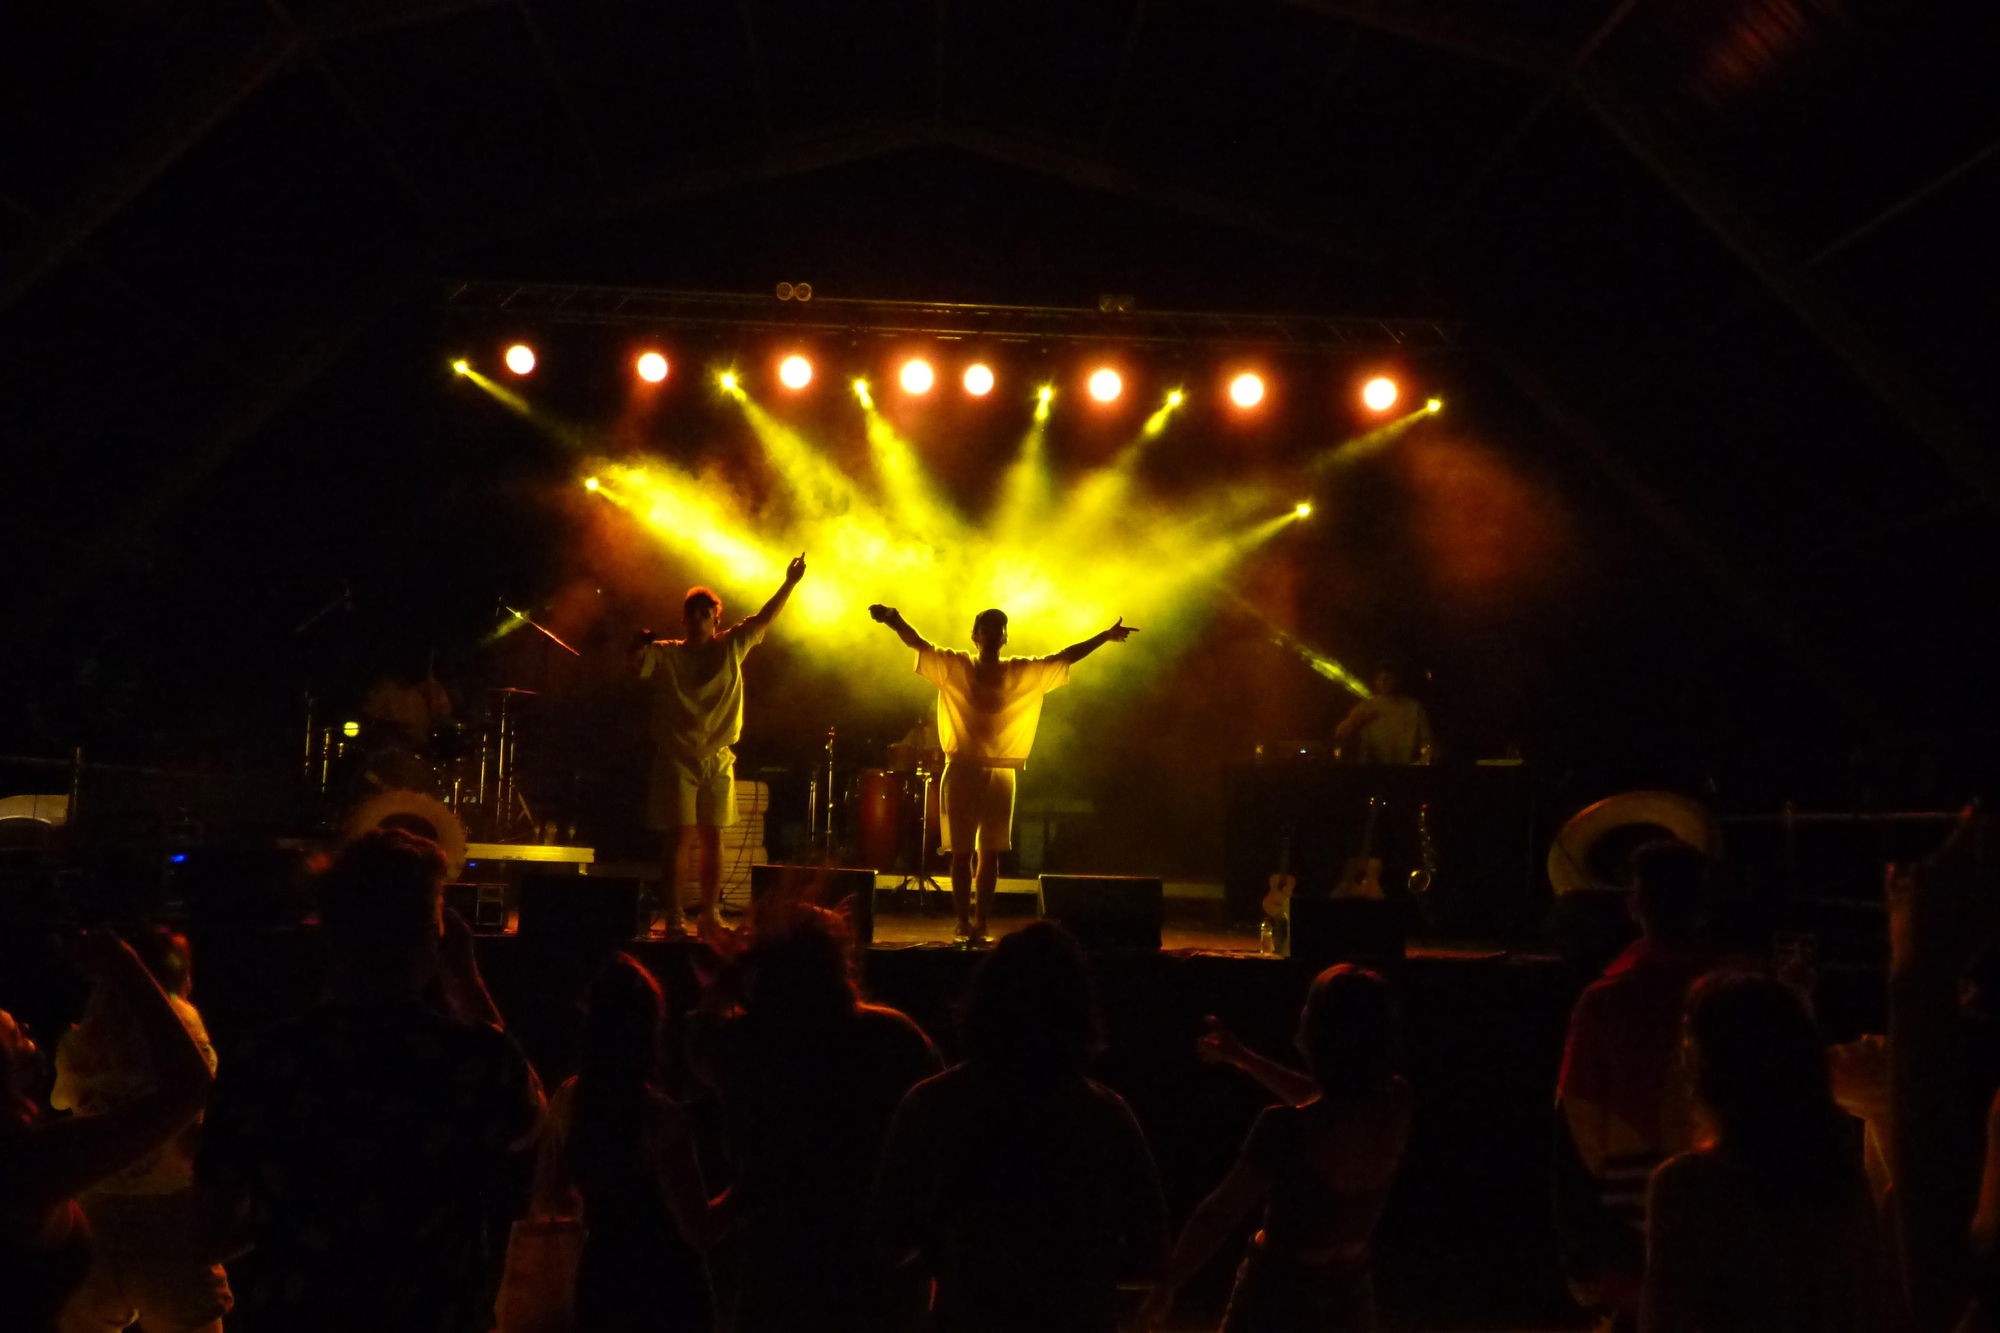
(685,792)
(978,805)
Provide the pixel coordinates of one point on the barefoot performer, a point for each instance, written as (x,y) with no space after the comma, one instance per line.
(988,707)
(697,716)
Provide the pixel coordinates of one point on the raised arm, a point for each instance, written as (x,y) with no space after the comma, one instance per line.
(1118,633)
(1217,1045)
(760,622)
(890,616)
(70,1155)
(1211,1223)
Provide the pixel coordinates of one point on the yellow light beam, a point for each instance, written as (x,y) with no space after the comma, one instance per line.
(1372,442)
(1157,422)
(916,504)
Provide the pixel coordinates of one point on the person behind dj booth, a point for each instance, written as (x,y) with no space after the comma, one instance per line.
(697,716)
(1388,728)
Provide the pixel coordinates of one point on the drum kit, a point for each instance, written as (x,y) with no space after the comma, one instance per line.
(896,815)
(408,762)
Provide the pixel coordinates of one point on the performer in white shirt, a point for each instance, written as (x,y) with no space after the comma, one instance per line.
(697,715)
(988,708)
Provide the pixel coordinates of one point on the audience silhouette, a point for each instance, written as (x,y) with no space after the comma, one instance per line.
(45,1163)
(1771,1227)
(621,1146)
(1023,1188)
(1321,1166)
(808,1078)
(361,1146)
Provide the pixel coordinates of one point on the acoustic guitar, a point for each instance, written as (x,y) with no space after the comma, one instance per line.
(1361,877)
(1283,882)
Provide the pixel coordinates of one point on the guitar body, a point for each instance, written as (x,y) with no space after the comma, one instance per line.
(1278,899)
(1361,877)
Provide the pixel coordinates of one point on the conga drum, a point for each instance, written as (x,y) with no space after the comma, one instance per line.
(879,795)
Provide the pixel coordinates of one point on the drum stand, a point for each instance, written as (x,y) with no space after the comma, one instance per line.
(921,879)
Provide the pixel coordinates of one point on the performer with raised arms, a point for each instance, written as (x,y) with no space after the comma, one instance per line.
(697,716)
(988,708)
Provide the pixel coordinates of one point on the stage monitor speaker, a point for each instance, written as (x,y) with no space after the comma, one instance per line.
(1106,911)
(846,890)
(580,912)
(1326,931)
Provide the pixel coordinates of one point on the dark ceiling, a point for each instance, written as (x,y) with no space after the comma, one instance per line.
(1732,259)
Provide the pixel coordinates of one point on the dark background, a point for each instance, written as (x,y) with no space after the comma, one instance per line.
(1714,510)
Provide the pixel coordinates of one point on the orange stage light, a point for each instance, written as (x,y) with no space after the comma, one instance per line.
(1246,390)
(917,377)
(1379,394)
(978,380)
(1105,385)
(795,372)
(652,367)
(520,358)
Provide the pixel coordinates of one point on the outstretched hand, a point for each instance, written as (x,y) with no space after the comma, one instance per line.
(885,615)
(1121,631)
(797,569)
(1217,1045)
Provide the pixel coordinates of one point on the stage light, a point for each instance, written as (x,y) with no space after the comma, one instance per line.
(350,728)
(1105,385)
(1246,390)
(1379,394)
(1302,509)
(590,483)
(727,379)
(521,358)
(652,367)
(917,377)
(1434,406)
(861,392)
(795,373)
(461,367)
(978,380)
(1176,398)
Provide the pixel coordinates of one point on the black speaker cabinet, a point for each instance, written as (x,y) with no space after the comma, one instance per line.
(1106,911)
(844,890)
(1326,931)
(579,912)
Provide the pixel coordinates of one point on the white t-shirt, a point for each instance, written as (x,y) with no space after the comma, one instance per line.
(989,717)
(698,691)
(1394,730)
(102,1065)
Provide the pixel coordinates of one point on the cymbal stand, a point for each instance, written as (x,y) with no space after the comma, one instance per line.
(921,877)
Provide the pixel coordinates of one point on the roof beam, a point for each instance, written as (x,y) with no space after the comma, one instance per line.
(581,132)
(146,161)
(1795,287)
(1323,236)
(1557,86)
(1127,51)
(260,399)
(1724,571)
(1428,27)
(225,89)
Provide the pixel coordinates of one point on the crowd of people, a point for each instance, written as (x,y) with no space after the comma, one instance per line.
(390,1161)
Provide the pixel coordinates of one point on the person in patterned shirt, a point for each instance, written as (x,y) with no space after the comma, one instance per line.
(363,1146)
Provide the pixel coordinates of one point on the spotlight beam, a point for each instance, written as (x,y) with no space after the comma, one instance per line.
(1352,451)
